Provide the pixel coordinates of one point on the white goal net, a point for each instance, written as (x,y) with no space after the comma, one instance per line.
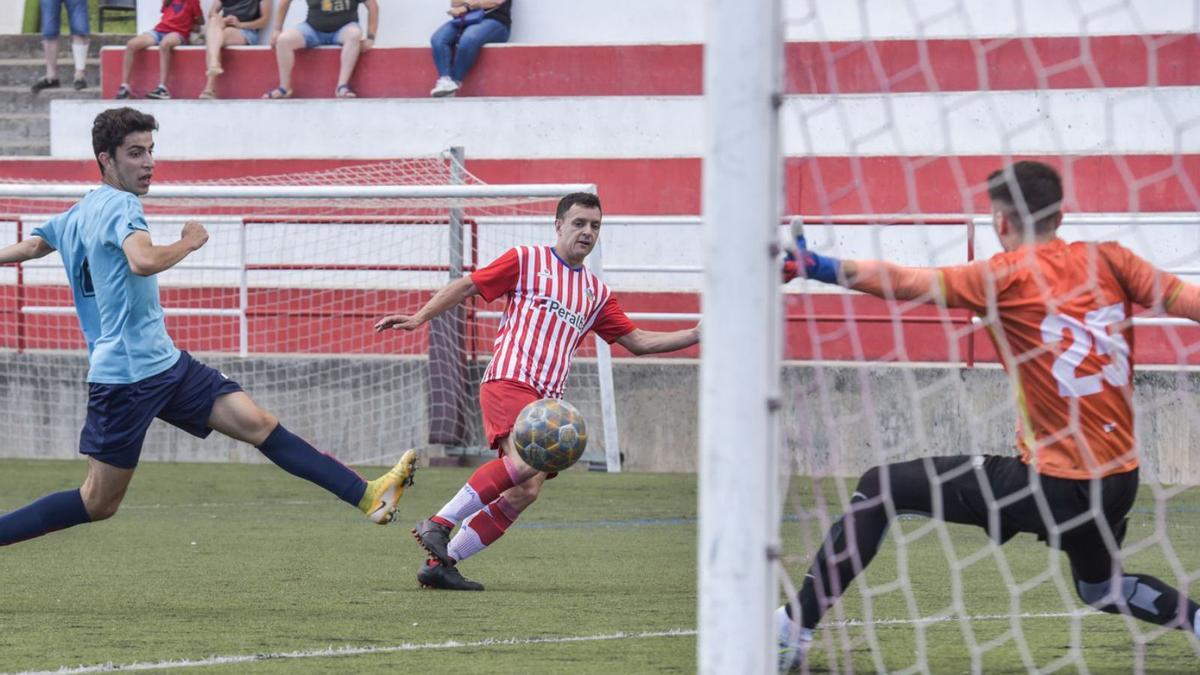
(283,298)
(892,116)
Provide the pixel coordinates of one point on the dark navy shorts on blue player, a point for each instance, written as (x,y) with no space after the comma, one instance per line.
(119,414)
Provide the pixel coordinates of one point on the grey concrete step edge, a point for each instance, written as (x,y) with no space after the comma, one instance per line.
(21,62)
(67,92)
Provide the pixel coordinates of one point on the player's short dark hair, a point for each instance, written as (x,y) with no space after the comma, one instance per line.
(1030,192)
(586,199)
(112,126)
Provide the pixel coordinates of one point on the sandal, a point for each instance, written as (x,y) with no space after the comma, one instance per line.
(344,91)
(208,94)
(278,92)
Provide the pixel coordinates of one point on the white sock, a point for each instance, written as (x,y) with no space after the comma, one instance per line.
(463,504)
(793,640)
(79,52)
(1196,623)
(465,544)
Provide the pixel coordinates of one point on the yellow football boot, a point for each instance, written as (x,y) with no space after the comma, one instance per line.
(383,494)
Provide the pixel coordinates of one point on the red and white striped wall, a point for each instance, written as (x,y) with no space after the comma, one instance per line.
(889,108)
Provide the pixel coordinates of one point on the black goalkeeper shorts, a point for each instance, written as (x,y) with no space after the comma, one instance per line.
(1002,495)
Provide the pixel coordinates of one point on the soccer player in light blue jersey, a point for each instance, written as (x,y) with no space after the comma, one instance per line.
(135,371)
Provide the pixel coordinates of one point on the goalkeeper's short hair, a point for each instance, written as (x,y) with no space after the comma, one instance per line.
(1030,192)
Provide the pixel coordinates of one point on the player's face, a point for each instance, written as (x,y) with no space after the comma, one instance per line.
(578,232)
(132,167)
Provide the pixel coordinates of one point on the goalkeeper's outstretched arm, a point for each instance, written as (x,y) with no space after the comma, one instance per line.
(882,279)
(449,296)
(1185,303)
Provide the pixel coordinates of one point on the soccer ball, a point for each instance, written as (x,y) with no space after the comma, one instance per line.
(550,434)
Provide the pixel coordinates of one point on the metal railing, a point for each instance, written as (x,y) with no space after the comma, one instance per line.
(244,268)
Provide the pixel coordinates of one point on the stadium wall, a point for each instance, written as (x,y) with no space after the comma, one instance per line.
(863,414)
(635,21)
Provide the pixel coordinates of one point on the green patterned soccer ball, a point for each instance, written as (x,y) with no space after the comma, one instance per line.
(550,434)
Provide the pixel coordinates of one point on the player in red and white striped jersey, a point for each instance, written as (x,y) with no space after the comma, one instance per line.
(553,301)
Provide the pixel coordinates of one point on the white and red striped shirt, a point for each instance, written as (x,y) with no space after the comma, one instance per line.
(551,307)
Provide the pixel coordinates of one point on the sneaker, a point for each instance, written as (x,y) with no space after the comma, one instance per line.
(434,538)
(445,577)
(160,92)
(384,493)
(80,84)
(45,83)
(793,641)
(123,92)
(444,87)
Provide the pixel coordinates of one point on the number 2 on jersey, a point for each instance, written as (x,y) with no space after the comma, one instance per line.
(1091,332)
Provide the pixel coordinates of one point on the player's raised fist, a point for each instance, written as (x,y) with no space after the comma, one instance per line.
(398,322)
(194,234)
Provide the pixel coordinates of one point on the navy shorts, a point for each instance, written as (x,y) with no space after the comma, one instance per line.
(119,414)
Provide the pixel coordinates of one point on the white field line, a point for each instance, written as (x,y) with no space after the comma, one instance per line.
(333,652)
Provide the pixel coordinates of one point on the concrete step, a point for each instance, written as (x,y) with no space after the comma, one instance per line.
(25,148)
(16,72)
(25,127)
(18,98)
(30,45)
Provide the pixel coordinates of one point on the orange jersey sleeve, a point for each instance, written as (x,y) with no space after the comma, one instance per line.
(1145,284)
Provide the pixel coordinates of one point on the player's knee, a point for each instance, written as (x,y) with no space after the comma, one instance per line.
(521,496)
(351,34)
(264,422)
(1098,595)
(868,485)
(101,507)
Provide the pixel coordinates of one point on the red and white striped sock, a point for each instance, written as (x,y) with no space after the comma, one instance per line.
(483,487)
(482,529)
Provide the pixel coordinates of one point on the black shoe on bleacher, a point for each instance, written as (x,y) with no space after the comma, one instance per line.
(45,83)
(434,538)
(445,577)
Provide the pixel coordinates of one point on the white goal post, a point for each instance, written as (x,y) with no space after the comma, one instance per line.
(739,371)
(218,205)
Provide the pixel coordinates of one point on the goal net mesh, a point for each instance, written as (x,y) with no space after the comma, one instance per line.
(893,116)
(283,298)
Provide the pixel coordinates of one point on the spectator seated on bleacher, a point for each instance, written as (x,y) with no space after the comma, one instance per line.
(231,22)
(456,44)
(178,19)
(329,22)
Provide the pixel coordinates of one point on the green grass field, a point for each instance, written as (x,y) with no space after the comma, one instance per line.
(223,565)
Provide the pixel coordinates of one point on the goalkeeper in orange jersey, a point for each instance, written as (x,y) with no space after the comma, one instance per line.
(1060,316)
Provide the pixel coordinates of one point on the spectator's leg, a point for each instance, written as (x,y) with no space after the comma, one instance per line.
(51,11)
(169,42)
(79,49)
(135,45)
(351,38)
(442,42)
(219,36)
(50,51)
(474,38)
(214,39)
(285,55)
(77,18)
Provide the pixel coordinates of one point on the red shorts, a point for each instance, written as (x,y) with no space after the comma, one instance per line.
(501,401)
